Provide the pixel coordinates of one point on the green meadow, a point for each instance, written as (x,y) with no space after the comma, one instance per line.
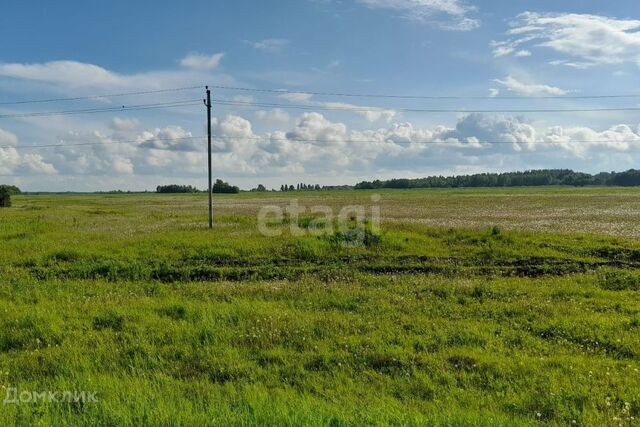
(494,307)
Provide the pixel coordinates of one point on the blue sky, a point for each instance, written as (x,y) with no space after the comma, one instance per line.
(523,49)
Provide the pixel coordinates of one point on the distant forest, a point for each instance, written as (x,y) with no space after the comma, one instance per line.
(218,187)
(531,178)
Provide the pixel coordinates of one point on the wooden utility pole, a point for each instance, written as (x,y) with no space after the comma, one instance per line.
(207,102)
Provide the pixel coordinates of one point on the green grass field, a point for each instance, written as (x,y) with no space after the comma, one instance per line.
(471,307)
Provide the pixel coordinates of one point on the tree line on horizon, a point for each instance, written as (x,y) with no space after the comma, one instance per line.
(532,178)
(301,187)
(219,186)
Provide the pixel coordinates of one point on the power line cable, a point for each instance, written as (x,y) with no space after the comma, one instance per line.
(413,110)
(367,95)
(389,140)
(93,97)
(347,108)
(316,93)
(84,144)
(300,107)
(103,110)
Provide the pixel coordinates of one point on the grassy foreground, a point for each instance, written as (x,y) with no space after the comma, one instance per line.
(472,307)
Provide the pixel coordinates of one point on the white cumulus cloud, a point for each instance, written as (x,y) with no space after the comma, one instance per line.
(200,61)
(13,161)
(316,146)
(7,138)
(271,45)
(273,116)
(588,39)
(372,114)
(296,97)
(530,89)
(124,124)
(74,78)
(69,73)
(426,10)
